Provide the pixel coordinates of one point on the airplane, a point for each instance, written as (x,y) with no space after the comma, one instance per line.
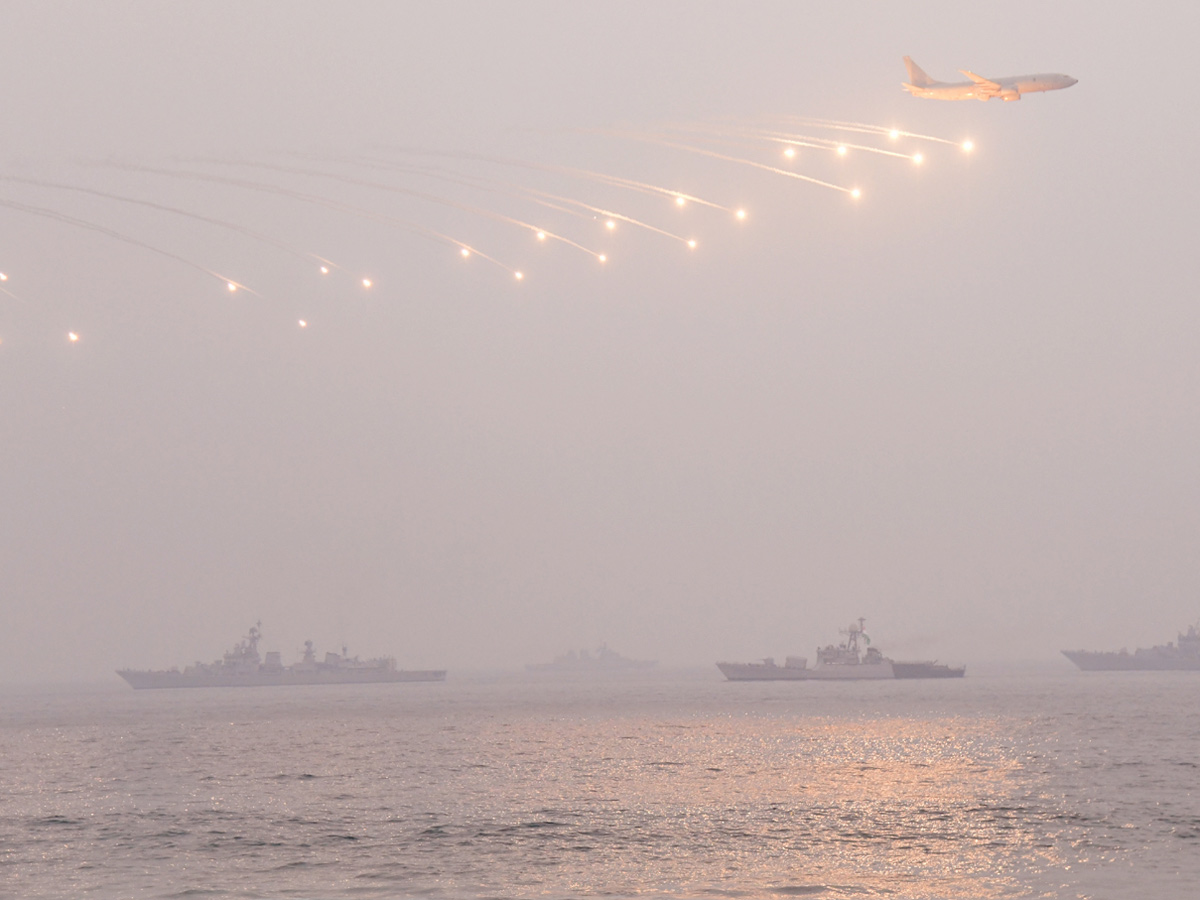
(979,88)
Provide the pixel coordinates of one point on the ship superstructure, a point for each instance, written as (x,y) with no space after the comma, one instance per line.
(243,667)
(853,658)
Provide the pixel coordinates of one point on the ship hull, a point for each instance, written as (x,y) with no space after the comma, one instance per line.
(1141,661)
(927,670)
(852,671)
(846,672)
(763,672)
(142,680)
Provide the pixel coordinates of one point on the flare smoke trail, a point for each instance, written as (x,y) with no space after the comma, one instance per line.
(822,144)
(600,211)
(714,140)
(706,132)
(688,148)
(599,177)
(174,210)
(534,192)
(7,292)
(124,238)
(864,128)
(643,187)
(507,189)
(348,209)
(431,198)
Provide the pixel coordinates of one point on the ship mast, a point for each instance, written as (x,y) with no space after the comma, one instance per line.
(852,634)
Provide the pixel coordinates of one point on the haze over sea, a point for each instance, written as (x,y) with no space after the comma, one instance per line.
(468,332)
(679,785)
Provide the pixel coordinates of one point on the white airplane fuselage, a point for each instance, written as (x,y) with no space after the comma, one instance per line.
(1009,88)
(980,88)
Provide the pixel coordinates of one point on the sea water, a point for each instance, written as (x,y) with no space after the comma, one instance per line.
(666,786)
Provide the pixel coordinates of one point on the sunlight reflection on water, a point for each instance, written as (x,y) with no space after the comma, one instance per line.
(682,788)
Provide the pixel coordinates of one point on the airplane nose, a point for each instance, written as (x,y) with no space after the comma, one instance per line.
(1071,81)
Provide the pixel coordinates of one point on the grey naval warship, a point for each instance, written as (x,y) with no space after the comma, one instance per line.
(242,667)
(1184,654)
(853,659)
(603,662)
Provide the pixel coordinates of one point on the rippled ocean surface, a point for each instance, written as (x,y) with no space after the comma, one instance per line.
(680,786)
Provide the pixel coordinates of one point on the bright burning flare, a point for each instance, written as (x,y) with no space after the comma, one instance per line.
(856,193)
(520,276)
(679,201)
(72,336)
(741,214)
(968,146)
(610,224)
(789,152)
(366,282)
(464,252)
(232,287)
(918,158)
(303,324)
(692,244)
(324,270)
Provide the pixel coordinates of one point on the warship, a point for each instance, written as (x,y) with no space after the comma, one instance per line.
(926,668)
(853,659)
(243,667)
(603,661)
(1183,654)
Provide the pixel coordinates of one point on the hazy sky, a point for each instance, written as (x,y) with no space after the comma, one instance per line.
(963,406)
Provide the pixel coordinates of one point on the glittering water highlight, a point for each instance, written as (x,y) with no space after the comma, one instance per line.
(1051,786)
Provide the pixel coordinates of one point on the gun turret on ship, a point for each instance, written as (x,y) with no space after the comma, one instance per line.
(243,667)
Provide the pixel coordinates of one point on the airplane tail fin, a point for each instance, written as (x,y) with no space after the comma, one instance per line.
(916,75)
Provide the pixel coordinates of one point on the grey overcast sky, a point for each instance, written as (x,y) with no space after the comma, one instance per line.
(964,406)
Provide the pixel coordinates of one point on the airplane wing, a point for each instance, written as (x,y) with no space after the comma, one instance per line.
(981,81)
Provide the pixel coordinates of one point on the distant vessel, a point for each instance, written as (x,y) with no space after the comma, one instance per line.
(853,659)
(1184,654)
(242,667)
(603,660)
(927,669)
